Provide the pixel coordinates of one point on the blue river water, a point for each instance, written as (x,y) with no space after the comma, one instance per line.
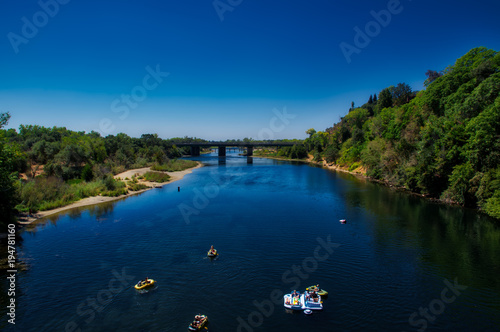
(400,263)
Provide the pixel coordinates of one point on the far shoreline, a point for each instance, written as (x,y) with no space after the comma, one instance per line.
(88,201)
(362,175)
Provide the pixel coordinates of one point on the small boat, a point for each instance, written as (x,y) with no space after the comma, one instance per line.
(198,323)
(315,288)
(308,311)
(343,221)
(144,284)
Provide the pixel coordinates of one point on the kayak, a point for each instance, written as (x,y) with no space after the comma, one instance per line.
(321,292)
(194,326)
(142,284)
(212,253)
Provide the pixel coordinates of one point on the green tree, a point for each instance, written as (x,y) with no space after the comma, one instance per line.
(401,94)
(385,98)
(87,173)
(310,132)
(431,76)
(9,165)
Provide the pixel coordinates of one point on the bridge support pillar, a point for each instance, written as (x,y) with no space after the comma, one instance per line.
(195,151)
(222,151)
(249,151)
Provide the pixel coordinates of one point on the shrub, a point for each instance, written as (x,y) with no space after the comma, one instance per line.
(110,183)
(174,165)
(353,166)
(136,186)
(156,177)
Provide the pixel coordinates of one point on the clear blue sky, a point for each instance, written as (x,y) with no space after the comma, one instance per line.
(81,60)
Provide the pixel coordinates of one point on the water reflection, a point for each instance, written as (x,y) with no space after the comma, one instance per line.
(460,242)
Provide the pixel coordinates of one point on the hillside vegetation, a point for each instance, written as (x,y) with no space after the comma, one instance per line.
(443,142)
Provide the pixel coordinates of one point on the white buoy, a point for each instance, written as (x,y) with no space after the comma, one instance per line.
(308,311)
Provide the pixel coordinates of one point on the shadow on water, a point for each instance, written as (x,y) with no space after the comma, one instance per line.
(460,241)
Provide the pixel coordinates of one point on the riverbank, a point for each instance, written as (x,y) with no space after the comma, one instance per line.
(359,172)
(174,176)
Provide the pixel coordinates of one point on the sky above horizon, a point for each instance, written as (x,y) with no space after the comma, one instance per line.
(223,69)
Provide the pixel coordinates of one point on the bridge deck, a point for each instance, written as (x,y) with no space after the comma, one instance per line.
(226,144)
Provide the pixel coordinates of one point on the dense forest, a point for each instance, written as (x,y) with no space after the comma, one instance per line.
(443,142)
(43,168)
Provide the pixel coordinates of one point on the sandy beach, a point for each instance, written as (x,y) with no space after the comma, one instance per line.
(174,176)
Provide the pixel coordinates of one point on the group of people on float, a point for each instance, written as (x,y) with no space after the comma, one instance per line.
(313,294)
(198,320)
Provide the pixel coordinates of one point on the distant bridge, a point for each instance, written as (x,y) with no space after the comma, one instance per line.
(221,146)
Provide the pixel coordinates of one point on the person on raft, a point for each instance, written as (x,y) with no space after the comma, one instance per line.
(197,321)
(144,282)
(212,250)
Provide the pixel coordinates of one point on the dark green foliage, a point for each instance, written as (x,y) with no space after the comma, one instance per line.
(488,192)
(385,98)
(331,153)
(11,162)
(110,183)
(401,94)
(87,173)
(4,119)
(443,142)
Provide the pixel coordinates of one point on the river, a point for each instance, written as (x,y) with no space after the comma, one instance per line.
(400,263)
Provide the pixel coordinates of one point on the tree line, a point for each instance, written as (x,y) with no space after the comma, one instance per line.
(442,142)
(62,165)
